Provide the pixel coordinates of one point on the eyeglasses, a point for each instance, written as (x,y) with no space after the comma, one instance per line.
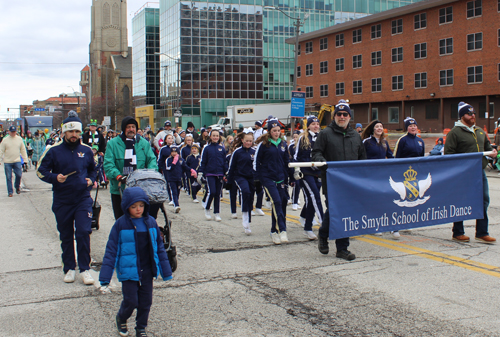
(470,113)
(342,114)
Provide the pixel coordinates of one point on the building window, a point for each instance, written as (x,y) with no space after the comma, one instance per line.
(397,82)
(397,26)
(339,89)
(374,114)
(298,50)
(299,73)
(309,69)
(499,63)
(339,40)
(446,15)
(357,87)
(377,31)
(323,67)
(420,80)
(499,32)
(323,43)
(474,41)
(309,92)
(431,111)
(475,74)
(357,61)
(309,47)
(420,21)
(339,64)
(446,46)
(474,8)
(377,84)
(356,36)
(420,51)
(323,90)
(397,54)
(393,114)
(376,58)
(446,77)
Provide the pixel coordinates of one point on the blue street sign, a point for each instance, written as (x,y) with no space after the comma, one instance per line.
(298,104)
(39,109)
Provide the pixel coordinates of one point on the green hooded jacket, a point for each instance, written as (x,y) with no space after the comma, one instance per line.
(114,157)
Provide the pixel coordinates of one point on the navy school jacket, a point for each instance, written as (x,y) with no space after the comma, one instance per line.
(62,158)
(241,164)
(193,161)
(409,146)
(302,154)
(213,160)
(185,151)
(374,150)
(174,171)
(163,156)
(271,162)
(122,250)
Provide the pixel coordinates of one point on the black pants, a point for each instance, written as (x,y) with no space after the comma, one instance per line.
(324,231)
(116,202)
(137,295)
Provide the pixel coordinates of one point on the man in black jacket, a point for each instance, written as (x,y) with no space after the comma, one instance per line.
(337,142)
(94,137)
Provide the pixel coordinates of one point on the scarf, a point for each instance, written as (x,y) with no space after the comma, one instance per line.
(129,159)
(313,135)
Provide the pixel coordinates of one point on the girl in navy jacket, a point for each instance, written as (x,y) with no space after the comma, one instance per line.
(374,141)
(241,175)
(175,169)
(162,159)
(310,177)
(296,188)
(213,167)
(193,161)
(185,152)
(272,171)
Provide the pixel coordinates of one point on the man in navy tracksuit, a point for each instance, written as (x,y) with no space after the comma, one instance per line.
(69,166)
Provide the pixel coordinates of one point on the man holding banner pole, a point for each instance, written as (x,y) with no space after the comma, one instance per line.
(337,142)
(465,137)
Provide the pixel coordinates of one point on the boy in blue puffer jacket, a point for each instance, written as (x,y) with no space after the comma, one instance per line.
(136,249)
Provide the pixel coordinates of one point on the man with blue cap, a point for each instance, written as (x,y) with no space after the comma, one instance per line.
(69,166)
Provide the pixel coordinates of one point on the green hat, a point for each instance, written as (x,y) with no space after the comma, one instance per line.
(93,122)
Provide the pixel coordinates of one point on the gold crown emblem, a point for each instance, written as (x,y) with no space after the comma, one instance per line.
(410,174)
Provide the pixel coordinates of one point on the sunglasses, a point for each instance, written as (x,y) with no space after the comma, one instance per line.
(342,114)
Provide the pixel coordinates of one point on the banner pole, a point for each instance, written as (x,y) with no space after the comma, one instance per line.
(308,164)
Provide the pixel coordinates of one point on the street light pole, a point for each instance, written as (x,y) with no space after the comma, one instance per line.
(298,23)
(178,91)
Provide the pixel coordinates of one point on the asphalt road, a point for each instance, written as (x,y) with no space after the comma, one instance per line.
(230,284)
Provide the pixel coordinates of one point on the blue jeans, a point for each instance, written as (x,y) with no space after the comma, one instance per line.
(481,224)
(18,172)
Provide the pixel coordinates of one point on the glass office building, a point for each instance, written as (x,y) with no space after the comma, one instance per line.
(220,53)
(145,63)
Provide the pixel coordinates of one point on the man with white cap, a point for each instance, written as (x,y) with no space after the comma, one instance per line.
(11,150)
(69,166)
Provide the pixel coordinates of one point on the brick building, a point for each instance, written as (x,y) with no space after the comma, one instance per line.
(419,60)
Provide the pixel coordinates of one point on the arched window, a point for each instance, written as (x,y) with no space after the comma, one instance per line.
(116,14)
(106,15)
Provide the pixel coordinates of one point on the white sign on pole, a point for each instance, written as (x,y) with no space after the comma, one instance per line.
(106,120)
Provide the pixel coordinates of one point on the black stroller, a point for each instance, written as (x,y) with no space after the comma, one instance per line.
(155,186)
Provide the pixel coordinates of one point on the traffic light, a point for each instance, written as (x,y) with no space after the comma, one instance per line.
(78,110)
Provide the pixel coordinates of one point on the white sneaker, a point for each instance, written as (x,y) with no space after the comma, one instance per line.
(248,231)
(310,235)
(377,234)
(276,238)
(203,204)
(171,203)
(87,278)
(70,276)
(227,191)
(195,201)
(259,212)
(234,216)
(395,235)
(245,222)
(302,221)
(283,237)
(208,215)
(268,204)
(289,202)
(253,213)
(177,209)
(295,207)
(217,217)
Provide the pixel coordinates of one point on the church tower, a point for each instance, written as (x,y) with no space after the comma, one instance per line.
(108,37)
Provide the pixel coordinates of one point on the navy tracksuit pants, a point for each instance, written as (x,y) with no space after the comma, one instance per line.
(214,186)
(311,186)
(194,189)
(296,192)
(233,198)
(74,221)
(175,189)
(247,190)
(137,295)
(277,194)
(260,196)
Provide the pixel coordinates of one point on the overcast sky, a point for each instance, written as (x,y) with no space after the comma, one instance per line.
(44,45)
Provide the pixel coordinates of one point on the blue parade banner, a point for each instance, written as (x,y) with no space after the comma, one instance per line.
(370,196)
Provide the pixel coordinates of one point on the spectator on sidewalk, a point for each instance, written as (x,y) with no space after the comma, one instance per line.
(11,150)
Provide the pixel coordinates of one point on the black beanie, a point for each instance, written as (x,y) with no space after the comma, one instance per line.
(190,125)
(129,120)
